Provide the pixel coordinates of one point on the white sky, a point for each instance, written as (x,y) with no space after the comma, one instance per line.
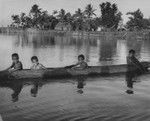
(9,7)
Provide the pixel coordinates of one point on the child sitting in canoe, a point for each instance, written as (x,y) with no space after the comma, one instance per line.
(16,64)
(134,64)
(81,64)
(35,64)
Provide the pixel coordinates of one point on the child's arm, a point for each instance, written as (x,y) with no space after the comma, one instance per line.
(72,66)
(43,67)
(18,67)
(83,66)
(12,65)
(137,64)
(13,70)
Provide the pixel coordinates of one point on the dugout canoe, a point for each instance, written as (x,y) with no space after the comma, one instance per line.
(64,72)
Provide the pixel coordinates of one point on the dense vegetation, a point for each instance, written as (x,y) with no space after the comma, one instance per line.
(84,20)
(137,21)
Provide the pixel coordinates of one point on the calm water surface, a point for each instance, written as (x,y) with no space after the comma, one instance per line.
(76,99)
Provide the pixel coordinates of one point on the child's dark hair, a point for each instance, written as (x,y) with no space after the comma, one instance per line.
(132,51)
(34,58)
(81,56)
(15,55)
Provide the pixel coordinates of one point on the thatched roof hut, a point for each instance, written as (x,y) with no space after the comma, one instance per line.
(63,26)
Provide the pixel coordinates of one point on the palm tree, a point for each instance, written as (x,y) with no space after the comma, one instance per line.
(68,18)
(55,12)
(28,22)
(35,13)
(16,20)
(22,19)
(78,13)
(89,12)
(79,19)
(61,15)
(135,20)
(43,19)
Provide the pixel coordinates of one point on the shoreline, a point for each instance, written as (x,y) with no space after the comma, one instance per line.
(145,34)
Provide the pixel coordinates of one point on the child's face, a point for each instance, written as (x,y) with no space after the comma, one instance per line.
(34,61)
(80,59)
(15,59)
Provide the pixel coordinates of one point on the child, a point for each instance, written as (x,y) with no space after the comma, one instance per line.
(36,65)
(81,64)
(131,57)
(133,63)
(16,64)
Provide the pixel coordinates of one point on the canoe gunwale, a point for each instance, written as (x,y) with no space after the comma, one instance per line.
(67,73)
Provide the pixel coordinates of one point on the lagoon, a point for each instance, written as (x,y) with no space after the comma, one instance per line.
(74,99)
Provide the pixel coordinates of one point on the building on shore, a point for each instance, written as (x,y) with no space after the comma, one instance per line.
(122,29)
(121,26)
(61,26)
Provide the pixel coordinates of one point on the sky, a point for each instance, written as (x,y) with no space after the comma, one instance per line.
(10,7)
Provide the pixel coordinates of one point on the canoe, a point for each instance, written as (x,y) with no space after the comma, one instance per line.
(65,73)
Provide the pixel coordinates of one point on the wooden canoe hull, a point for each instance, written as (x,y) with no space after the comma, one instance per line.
(63,73)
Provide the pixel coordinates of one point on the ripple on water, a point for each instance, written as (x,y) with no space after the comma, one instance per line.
(103,99)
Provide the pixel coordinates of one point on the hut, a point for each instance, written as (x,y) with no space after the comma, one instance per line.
(122,29)
(61,26)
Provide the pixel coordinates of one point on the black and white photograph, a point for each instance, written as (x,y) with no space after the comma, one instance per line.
(74,60)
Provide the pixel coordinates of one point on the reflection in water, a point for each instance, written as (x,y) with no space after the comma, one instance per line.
(131,78)
(58,100)
(107,49)
(36,86)
(18,86)
(60,51)
(17,89)
(80,83)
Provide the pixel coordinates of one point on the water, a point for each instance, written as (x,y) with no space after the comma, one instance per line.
(62,51)
(76,99)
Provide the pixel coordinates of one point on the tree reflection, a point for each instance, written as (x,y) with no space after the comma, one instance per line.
(108,48)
